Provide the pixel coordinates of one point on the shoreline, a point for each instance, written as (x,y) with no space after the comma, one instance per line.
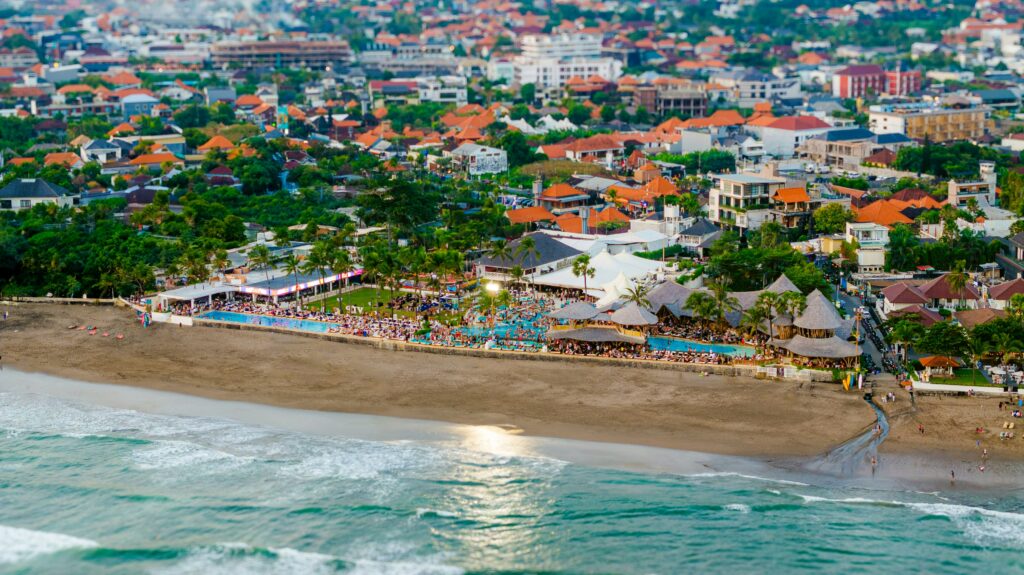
(781,423)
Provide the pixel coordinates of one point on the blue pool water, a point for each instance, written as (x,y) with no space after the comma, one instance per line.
(87,489)
(302,324)
(674,344)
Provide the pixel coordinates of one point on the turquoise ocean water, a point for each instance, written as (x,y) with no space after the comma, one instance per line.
(91,489)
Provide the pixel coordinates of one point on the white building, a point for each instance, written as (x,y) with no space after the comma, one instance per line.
(476,159)
(783,136)
(549,60)
(561,46)
(443,89)
(982,190)
(872,240)
(554,73)
(749,87)
(24,193)
(742,200)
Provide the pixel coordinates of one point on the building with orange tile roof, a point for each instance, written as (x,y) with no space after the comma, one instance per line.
(155,160)
(883,213)
(531,215)
(218,142)
(561,198)
(67,159)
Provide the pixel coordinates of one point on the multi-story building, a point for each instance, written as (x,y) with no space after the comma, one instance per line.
(18,58)
(749,87)
(281,53)
(871,240)
(668,98)
(393,92)
(925,120)
(742,200)
(901,81)
(443,89)
(790,207)
(981,190)
(554,73)
(549,60)
(476,160)
(560,46)
(859,81)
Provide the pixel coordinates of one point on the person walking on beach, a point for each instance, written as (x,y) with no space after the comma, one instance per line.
(952,477)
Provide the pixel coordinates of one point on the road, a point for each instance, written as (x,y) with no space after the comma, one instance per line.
(851,304)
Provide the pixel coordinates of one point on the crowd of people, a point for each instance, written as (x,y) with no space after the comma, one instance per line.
(618,350)
(521,325)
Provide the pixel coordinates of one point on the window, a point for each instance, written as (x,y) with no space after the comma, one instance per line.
(24,204)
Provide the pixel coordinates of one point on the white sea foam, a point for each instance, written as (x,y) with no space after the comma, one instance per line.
(241,559)
(752,477)
(172,454)
(738,507)
(983,526)
(423,512)
(366,567)
(17,545)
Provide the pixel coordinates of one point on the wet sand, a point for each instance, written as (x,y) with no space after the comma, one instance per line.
(655,407)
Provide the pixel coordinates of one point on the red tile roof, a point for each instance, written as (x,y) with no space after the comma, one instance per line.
(798,123)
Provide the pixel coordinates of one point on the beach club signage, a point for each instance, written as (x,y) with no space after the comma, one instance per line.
(292,288)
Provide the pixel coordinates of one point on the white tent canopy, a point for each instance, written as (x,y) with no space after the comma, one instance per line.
(607,269)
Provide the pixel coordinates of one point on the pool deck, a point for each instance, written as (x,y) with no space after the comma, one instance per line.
(735,370)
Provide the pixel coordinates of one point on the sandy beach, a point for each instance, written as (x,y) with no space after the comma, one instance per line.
(655,407)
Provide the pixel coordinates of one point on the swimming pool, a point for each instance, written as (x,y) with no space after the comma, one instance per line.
(674,344)
(285,322)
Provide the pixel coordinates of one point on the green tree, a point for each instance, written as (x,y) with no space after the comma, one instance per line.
(832,218)
(944,338)
(528,93)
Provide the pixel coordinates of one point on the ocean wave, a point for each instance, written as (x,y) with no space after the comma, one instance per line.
(423,512)
(243,559)
(171,454)
(744,476)
(367,567)
(738,507)
(17,544)
(983,526)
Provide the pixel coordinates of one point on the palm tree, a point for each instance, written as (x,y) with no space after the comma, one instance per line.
(107,282)
(581,267)
(516,274)
(341,263)
(702,304)
(293,267)
(317,262)
(957,279)
(1006,346)
(261,258)
(905,332)
(527,247)
(977,348)
(220,261)
(753,318)
(792,304)
(501,251)
(637,294)
(767,307)
(724,302)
